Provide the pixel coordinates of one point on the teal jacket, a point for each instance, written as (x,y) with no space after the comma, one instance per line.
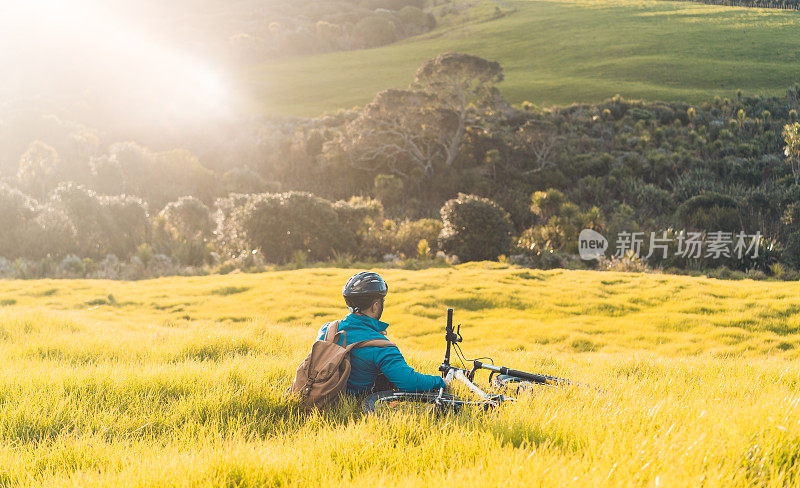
(367,362)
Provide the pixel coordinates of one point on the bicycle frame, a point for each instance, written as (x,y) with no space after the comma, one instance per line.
(490,399)
(467,377)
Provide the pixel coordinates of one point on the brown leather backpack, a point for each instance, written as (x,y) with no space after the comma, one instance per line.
(322,376)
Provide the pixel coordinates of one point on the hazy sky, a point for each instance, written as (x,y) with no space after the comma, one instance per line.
(96,62)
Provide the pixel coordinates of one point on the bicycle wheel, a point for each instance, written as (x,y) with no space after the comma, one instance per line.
(400,401)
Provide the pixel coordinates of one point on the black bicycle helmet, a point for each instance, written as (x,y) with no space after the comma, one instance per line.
(362,289)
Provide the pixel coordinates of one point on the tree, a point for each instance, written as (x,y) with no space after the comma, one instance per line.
(136,164)
(459,80)
(474,228)
(243,180)
(107,175)
(329,34)
(84,210)
(37,168)
(403,132)
(184,226)
(791,135)
(419,131)
(17,211)
(128,224)
(559,222)
(542,141)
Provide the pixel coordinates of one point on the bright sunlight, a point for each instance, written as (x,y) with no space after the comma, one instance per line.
(85,53)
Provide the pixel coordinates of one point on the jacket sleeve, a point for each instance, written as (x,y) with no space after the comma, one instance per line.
(393,365)
(322,332)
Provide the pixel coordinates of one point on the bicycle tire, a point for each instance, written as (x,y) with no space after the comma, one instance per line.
(386,401)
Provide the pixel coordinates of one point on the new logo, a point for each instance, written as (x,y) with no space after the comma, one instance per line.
(591,244)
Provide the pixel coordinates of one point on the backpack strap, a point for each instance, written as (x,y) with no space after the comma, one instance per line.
(372,343)
(333,329)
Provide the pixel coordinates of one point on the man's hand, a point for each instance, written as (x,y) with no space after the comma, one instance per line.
(447,381)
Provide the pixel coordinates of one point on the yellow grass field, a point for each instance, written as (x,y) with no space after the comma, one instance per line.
(179,382)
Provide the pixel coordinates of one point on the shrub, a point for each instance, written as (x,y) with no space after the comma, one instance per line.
(279,224)
(228,223)
(628,263)
(415,17)
(791,251)
(188,219)
(359,214)
(144,253)
(474,228)
(108,268)
(375,31)
(72,267)
(709,212)
(409,233)
(388,189)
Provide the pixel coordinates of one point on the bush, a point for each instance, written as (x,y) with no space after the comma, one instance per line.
(72,267)
(710,212)
(409,233)
(102,225)
(474,228)
(375,31)
(791,252)
(627,264)
(108,268)
(228,223)
(414,17)
(280,224)
(359,214)
(188,219)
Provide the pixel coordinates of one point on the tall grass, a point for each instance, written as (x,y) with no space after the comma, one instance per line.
(698,389)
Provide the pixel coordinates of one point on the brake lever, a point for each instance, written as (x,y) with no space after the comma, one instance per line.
(448,377)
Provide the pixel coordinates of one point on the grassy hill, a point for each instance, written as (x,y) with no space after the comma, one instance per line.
(179,381)
(559,52)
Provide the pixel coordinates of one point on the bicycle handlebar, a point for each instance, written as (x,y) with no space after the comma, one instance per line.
(452,337)
(536,378)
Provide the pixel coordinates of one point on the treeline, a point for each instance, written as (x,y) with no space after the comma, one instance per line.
(728,165)
(78,233)
(779,4)
(313,26)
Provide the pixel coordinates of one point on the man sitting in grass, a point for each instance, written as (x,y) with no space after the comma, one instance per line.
(375,368)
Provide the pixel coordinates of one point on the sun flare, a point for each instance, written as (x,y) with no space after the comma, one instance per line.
(83,51)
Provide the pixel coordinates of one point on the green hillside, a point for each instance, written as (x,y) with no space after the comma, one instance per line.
(559,52)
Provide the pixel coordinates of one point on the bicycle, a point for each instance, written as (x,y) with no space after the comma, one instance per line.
(441,402)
